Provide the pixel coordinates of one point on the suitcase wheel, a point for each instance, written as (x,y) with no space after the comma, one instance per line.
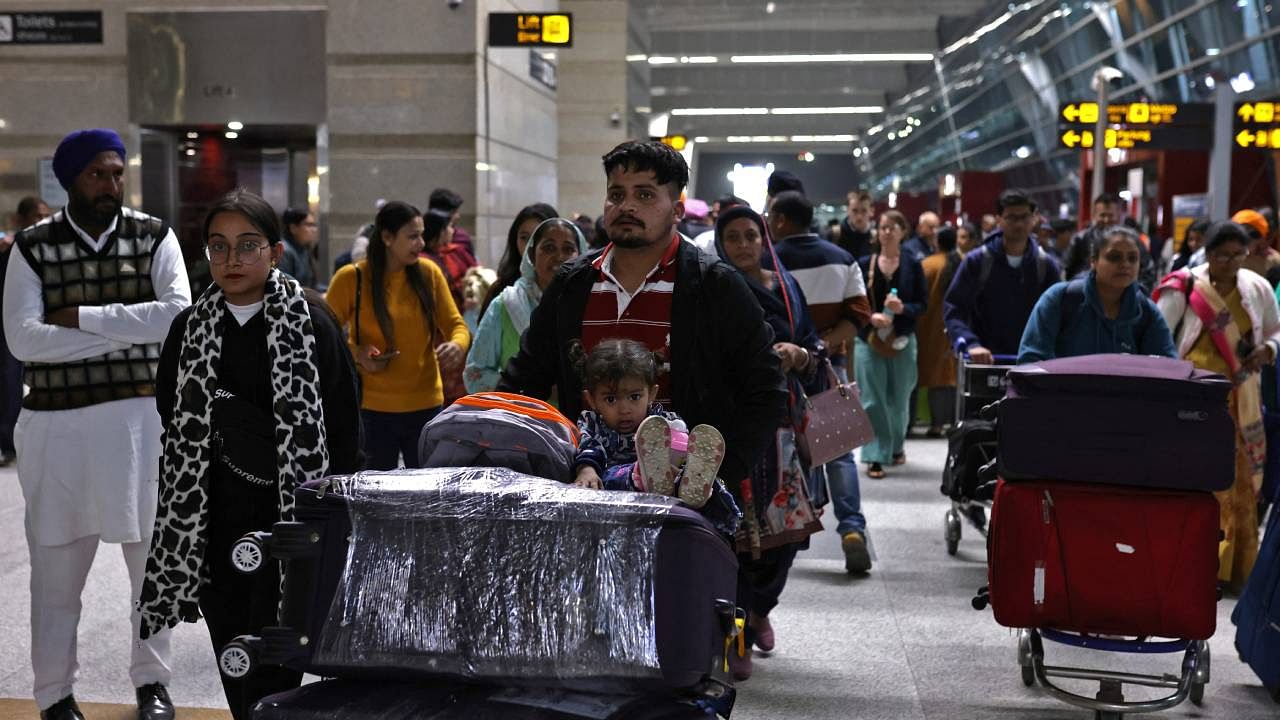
(952,529)
(236,659)
(249,552)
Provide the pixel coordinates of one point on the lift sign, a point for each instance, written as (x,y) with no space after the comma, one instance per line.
(530,29)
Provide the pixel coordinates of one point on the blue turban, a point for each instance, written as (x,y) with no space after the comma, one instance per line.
(79,148)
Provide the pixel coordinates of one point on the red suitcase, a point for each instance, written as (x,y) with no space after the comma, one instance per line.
(1103,559)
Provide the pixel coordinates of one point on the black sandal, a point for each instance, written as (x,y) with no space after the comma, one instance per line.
(875,471)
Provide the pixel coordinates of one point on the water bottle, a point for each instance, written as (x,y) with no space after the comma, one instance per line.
(898,342)
(885,332)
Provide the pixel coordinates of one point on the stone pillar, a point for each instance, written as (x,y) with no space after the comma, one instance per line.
(599,94)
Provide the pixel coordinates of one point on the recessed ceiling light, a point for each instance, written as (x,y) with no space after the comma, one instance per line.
(231,135)
(193,135)
(719,111)
(235,125)
(834,58)
(662,60)
(702,138)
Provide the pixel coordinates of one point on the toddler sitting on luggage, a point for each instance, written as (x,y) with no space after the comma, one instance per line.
(627,438)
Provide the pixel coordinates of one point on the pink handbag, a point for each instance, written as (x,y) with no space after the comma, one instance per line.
(834,422)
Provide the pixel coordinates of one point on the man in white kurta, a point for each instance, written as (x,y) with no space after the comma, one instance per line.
(88,437)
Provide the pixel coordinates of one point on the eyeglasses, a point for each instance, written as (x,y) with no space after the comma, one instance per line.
(247,252)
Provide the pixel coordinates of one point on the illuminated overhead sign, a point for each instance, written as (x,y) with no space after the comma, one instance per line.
(1138,113)
(1151,138)
(530,29)
(1257,125)
(675,142)
(1138,125)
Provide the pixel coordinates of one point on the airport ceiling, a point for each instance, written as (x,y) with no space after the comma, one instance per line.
(713,57)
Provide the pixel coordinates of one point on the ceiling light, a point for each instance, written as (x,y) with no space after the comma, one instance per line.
(231,135)
(699,59)
(645,109)
(875,130)
(834,58)
(821,138)
(1242,83)
(1023,152)
(893,136)
(719,111)
(702,138)
(637,58)
(857,152)
(3,123)
(191,151)
(662,60)
(1211,51)
(769,7)
(805,156)
(1209,82)
(235,125)
(845,110)
(193,135)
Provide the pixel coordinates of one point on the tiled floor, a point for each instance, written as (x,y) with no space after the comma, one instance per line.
(900,643)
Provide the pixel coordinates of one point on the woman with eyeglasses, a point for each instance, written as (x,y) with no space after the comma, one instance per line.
(257,394)
(1225,319)
(391,304)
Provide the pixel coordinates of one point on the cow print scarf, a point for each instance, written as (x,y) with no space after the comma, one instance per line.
(171,589)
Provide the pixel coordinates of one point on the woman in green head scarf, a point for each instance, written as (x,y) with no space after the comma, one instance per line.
(553,243)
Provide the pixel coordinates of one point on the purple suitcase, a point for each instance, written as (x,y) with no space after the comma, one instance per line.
(1117,420)
(689,600)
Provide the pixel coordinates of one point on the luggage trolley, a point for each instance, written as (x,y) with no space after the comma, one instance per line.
(971,443)
(1109,703)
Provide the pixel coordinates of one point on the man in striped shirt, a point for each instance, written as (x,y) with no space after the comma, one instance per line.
(837,300)
(648,285)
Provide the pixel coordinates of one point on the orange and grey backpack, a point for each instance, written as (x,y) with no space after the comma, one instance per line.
(495,429)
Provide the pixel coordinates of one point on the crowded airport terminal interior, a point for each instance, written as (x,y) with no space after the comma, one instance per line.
(639,359)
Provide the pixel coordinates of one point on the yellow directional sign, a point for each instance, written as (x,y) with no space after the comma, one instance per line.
(1073,139)
(1259,139)
(675,142)
(1086,113)
(1139,113)
(530,29)
(1261,113)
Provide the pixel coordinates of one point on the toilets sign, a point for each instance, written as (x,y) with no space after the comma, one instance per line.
(51,28)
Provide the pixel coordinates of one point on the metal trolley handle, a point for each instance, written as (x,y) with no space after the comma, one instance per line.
(1195,670)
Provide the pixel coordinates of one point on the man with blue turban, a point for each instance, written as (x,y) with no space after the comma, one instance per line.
(89,295)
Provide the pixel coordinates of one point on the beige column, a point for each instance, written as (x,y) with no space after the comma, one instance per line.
(600,92)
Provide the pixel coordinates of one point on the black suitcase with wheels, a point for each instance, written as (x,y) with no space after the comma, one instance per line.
(971,445)
(473,589)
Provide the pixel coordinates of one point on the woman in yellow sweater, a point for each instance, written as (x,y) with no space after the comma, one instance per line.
(391,304)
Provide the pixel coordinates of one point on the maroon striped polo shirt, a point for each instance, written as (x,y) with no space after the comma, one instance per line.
(644,317)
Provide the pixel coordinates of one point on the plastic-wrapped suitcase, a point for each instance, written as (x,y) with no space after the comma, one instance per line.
(365,700)
(489,575)
(1104,559)
(1257,614)
(1118,419)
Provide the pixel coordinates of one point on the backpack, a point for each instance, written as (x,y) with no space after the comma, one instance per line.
(989,261)
(494,429)
(1073,299)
